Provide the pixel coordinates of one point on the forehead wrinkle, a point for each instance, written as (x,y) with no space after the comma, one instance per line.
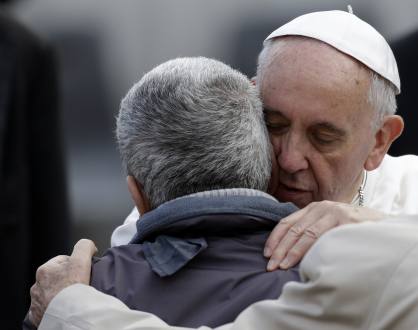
(314,58)
(337,74)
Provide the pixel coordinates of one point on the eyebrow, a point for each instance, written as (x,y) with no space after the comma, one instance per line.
(273,112)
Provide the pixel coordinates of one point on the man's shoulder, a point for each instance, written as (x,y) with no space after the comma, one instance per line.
(115,261)
(128,252)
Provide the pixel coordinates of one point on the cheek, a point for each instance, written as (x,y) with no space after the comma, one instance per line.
(321,174)
(275,142)
(336,178)
(274,174)
(328,172)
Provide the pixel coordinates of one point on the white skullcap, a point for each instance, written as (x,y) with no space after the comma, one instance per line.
(350,35)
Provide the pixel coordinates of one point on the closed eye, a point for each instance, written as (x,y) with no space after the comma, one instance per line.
(276,128)
(275,122)
(325,139)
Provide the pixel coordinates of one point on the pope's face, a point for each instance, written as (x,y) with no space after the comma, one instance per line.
(319,120)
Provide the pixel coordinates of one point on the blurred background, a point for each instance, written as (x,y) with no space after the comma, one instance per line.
(102,47)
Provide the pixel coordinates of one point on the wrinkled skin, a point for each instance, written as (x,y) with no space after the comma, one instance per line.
(57,274)
(294,235)
(319,120)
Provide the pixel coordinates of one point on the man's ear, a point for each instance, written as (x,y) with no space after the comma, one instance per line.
(391,129)
(254,80)
(138,195)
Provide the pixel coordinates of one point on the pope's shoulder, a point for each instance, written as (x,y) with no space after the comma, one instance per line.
(406,164)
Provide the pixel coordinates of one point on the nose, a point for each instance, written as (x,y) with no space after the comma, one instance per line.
(291,153)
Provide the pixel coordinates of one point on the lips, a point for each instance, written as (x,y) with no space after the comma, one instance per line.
(292,188)
(291,193)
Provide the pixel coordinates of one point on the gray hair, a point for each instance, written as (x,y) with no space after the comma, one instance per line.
(381,96)
(190,125)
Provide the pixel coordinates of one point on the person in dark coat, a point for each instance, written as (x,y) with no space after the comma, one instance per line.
(34,224)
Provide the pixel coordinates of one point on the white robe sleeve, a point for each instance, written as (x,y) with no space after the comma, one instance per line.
(81,307)
(355,277)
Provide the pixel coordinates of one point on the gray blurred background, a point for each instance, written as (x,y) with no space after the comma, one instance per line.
(103,47)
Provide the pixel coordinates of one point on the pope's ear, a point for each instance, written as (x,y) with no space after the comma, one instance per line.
(254,80)
(138,195)
(390,130)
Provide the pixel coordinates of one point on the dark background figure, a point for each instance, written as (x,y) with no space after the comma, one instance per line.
(34,224)
(406,53)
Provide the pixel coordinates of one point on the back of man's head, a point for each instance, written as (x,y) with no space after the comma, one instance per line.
(190,125)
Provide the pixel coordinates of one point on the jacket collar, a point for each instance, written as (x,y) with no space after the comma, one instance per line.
(175,215)
(174,233)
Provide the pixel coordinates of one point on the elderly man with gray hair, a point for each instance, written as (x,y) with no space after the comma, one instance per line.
(193,140)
